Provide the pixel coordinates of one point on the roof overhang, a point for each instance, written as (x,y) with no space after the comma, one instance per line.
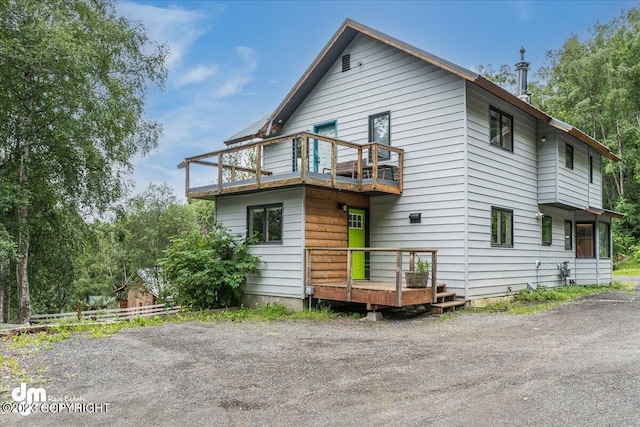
(605,212)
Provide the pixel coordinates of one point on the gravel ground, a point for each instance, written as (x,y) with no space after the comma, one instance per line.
(577,365)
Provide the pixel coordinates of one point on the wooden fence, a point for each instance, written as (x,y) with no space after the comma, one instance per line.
(106,315)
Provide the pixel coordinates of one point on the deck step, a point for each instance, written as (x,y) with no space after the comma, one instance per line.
(437,308)
(445,294)
(447,304)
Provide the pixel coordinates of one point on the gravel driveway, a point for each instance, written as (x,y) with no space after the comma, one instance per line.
(577,365)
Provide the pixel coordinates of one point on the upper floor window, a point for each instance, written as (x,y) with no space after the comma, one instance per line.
(547,230)
(501,129)
(590,169)
(568,156)
(265,223)
(501,227)
(380,132)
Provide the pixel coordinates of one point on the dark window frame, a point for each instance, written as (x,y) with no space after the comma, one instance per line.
(593,240)
(265,223)
(568,155)
(545,220)
(507,242)
(590,169)
(500,142)
(382,153)
(568,238)
(608,242)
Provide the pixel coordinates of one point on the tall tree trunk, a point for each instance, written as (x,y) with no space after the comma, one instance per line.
(22,277)
(5,289)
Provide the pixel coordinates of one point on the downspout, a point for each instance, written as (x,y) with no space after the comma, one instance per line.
(466,195)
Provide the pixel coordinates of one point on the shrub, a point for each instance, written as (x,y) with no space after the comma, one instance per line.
(206,270)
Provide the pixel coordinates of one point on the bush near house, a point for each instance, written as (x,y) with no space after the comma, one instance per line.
(206,270)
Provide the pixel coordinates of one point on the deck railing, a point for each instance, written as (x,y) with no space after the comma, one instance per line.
(292,159)
(405,260)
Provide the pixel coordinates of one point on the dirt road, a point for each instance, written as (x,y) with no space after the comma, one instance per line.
(577,365)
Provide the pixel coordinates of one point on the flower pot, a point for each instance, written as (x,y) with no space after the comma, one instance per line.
(416,280)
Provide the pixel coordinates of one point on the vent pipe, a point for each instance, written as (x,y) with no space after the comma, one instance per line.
(523,68)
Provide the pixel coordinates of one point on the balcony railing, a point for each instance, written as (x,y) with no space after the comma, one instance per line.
(303,158)
(329,274)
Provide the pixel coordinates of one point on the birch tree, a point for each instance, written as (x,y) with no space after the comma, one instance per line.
(73,80)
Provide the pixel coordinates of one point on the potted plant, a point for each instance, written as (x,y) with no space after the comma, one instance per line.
(419,277)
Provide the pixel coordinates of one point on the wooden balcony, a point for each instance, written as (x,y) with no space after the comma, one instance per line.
(300,159)
(328,272)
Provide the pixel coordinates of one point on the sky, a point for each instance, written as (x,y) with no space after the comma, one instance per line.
(233,62)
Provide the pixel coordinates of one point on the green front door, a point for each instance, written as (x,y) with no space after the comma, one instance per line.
(357,240)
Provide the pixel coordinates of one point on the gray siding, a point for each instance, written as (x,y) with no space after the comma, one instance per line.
(281,270)
(503,179)
(573,184)
(547,165)
(427,121)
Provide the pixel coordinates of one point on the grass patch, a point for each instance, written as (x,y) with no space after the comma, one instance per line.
(527,301)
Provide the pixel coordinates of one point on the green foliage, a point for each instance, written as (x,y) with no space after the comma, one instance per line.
(206,270)
(422,266)
(73,84)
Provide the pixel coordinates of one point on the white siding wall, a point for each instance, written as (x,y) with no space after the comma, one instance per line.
(595,188)
(427,121)
(573,185)
(506,180)
(547,165)
(281,270)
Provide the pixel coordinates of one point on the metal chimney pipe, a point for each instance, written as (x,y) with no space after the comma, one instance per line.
(523,68)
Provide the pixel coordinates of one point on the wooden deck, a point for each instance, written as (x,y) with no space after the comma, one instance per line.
(374,293)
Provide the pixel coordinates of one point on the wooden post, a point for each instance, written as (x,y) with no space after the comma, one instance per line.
(220,166)
(349,274)
(360,168)
(334,167)
(400,169)
(186,180)
(434,275)
(412,261)
(258,164)
(304,145)
(374,171)
(79,310)
(398,278)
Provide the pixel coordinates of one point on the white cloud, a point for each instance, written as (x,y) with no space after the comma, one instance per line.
(177,27)
(240,77)
(522,9)
(196,75)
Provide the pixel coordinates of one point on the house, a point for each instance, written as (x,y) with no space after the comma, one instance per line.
(383,154)
(141,289)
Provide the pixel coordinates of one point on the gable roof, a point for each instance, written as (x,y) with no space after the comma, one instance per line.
(339,42)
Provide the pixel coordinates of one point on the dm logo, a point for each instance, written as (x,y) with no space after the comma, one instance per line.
(26,397)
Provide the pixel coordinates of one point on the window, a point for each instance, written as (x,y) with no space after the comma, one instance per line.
(380,132)
(584,240)
(590,169)
(547,230)
(501,227)
(604,248)
(568,235)
(568,156)
(265,223)
(355,220)
(501,129)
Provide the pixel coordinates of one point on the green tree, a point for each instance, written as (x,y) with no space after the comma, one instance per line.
(73,79)
(206,270)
